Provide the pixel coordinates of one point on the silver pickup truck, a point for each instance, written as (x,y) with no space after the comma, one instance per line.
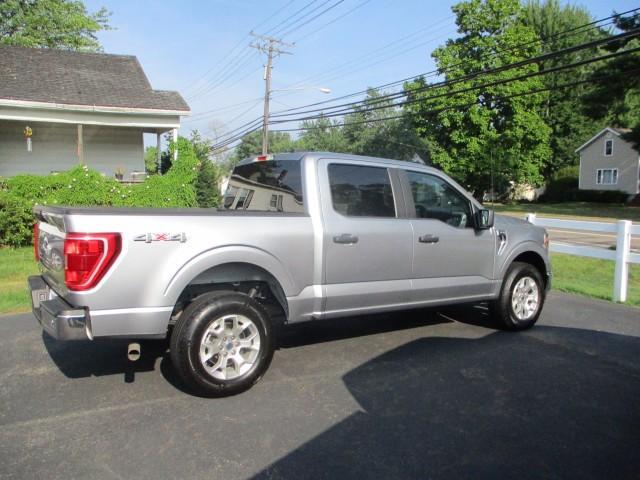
(300,236)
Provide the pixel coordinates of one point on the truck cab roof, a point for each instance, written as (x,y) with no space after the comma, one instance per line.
(342,156)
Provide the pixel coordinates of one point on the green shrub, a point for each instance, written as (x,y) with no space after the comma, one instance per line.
(82,186)
(563,187)
(207,185)
(602,196)
(567,172)
(16,220)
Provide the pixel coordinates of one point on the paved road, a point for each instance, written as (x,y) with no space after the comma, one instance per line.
(591,239)
(420,395)
(578,237)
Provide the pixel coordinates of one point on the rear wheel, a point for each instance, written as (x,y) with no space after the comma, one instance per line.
(222,343)
(521,298)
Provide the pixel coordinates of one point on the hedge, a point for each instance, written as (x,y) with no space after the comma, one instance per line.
(82,186)
(563,187)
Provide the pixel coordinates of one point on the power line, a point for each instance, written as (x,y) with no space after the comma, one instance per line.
(350,63)
(298,27)
(470,89)
(251,126)
(225,108)
(227,72)
(362,4)
(465,105)
(275,29)
(235,47)
(539,58)
(573,31)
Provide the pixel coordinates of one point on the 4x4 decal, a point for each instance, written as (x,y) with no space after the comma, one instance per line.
(160,237)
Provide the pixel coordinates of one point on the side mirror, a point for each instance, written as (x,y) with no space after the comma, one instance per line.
(483,219)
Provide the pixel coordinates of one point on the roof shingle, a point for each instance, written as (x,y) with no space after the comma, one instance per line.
(79,78)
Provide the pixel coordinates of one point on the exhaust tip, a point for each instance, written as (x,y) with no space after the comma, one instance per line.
(133,352)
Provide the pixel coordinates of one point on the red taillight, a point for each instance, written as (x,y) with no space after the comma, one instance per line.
(36,240)
(87,257)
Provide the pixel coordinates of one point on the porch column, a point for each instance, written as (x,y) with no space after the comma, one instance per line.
(174,134)
(158,152)
(80,145)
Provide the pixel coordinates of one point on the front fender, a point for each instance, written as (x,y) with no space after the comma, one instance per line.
(228,254)
(523,247)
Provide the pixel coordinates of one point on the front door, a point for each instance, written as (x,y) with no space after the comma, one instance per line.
(452,260)
(368,249)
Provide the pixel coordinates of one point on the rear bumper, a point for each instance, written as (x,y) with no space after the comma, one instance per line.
(57,317)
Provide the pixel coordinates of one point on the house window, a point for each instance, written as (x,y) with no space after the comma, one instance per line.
(607,176)
(608,147)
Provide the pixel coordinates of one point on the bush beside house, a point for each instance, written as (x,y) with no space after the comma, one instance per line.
(82,186)
(563,187)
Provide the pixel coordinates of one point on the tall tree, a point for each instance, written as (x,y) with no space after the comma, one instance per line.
(491,131)
(251,145)
(63,24)
(616,99)
(377,127)
(322,134)
(558,28)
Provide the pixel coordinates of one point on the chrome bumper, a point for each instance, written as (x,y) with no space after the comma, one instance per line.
(57,317)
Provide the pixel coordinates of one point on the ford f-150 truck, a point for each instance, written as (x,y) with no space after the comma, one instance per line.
(300,236)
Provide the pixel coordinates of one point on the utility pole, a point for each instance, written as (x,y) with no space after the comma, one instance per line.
(269,46)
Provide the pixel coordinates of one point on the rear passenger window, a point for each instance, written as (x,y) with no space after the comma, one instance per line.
(360,191)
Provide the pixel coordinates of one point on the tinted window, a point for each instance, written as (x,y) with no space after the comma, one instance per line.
(435,198)
(274,186)
(359,191)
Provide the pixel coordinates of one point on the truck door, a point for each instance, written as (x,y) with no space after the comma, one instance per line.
(368,248)
(451,261)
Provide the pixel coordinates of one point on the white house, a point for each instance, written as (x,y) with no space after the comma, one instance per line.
(609,162)
(60,108)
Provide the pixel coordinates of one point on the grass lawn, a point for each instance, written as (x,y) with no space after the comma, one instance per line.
(591,211)
(591,277)
(584,276)
(15,266)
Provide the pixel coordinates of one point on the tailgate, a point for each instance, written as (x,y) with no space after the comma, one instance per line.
(51,252)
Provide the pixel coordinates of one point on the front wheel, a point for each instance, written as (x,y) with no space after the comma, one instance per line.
(521,298)
(222,343)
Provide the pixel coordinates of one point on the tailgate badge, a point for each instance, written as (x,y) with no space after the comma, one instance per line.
(160,237)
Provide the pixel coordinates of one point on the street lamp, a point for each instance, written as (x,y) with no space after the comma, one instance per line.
(265,117)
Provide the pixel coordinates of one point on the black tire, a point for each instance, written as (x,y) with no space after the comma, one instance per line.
(190,329)
(502,310)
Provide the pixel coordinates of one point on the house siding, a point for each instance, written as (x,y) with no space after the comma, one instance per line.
(624,158)
(54,148)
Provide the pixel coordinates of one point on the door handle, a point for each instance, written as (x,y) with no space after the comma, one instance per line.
(428,239)
(345,238)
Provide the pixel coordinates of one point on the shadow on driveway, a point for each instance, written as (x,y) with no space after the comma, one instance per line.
(108,356)
(548,403)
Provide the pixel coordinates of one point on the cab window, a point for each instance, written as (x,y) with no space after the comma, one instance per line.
(269,186)
(434,198)
(361,191)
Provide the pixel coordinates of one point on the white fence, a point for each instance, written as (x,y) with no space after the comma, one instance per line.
(622,254)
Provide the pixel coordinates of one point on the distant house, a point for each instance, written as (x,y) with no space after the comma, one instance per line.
(608,162)
(60,108)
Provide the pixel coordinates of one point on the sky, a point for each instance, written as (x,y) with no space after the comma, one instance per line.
(201,48)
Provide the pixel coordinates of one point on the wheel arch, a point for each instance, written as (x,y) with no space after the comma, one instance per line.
(532,254)
(229,266)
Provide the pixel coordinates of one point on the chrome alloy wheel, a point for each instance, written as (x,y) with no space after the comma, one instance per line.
(525,298)
(229,347)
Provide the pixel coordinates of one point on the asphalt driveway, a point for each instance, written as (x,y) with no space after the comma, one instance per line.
(419,395)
